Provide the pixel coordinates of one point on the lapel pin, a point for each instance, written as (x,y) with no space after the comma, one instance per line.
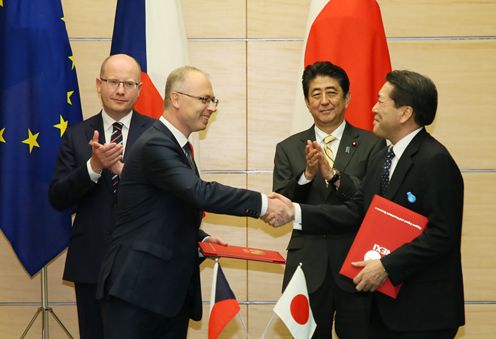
(411,198)
(347,150)
(354,144)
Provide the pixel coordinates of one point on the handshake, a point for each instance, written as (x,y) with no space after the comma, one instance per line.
(280,210)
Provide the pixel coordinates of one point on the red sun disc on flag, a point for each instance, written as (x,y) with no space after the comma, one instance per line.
(299,309)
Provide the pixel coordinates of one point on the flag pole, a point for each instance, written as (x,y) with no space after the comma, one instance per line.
(44,309)
(244,326)
(267,327)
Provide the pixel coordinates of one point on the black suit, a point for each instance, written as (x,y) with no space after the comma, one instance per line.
(152,263)
(93,203)
(429,267)
(322,256)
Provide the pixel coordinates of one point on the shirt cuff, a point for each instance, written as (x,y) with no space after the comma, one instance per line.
(297,217)
(265,204)
(93,175)
(303,180)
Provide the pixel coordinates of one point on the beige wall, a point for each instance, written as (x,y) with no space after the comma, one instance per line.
(252,48)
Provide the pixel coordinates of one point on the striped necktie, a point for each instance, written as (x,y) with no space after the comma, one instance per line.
(329,155)
(117,138)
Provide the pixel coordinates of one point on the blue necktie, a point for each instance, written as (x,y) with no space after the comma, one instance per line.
(387,168)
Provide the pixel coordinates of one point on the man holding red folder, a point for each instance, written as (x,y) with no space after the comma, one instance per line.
(417,172)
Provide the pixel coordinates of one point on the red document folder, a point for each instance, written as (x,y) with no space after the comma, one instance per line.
(237,252)
(386,227)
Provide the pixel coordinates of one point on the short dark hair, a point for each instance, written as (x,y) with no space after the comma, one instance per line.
(414,90)
(326,69)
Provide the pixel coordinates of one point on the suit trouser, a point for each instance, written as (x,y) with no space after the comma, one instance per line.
(89,312)
(122,320)
(351,311)
(379,330)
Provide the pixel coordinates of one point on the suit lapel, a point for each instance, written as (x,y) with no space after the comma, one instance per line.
(404,165)
(347,147)
(161,127)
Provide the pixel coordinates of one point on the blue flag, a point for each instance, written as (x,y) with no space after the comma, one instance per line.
(39,99)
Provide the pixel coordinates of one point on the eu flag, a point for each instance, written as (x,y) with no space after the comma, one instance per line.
(39,99)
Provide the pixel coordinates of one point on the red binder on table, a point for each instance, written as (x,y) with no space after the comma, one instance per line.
(386,227)
(237,252)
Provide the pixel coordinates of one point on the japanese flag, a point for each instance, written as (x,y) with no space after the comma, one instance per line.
(294,308)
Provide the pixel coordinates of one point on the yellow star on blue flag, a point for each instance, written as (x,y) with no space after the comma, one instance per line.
(32,140)
(62,126)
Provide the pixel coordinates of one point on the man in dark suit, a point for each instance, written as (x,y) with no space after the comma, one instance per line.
(417,172)
(150,279)
(297,176)
(82,180)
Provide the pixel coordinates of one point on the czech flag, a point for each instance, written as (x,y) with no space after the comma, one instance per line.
(152,32)
(223,304)
(350,34)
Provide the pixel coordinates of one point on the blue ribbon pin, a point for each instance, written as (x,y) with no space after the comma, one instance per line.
(411,198)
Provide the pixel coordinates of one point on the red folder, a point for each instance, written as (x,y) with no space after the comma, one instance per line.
(386,227)
(237,252)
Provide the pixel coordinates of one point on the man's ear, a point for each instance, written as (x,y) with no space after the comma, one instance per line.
(174,99)
(347,99)
(406,114)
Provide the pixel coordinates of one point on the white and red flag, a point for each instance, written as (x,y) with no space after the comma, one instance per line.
(223,304)
(294,307)
(151,31)
(350,34)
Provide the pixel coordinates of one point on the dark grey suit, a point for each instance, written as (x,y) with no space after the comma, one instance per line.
(322,255)
(152,262)
(71,187)
(429,267)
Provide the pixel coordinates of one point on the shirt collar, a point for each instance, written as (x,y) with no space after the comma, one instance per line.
(403,143)
(180,137)
(108,121)
(337,133)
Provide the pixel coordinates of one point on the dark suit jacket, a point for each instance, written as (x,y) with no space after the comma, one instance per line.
(71,187)
(429,267)
(153,258)
(317,252)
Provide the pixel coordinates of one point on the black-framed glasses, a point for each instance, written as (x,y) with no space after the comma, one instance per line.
(206,100)
(114,83)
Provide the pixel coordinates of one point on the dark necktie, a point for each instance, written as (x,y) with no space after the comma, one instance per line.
(189,154)
(117,138)
(387,168)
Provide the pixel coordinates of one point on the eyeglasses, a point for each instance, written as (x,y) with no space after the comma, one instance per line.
(114,83)
(206,100)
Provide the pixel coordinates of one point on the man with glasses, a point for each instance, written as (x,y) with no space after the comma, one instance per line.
(150,278)
(86,179)
(300,175)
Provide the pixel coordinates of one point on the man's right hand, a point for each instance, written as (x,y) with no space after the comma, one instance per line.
(280,211)
(313,156)
(104,156)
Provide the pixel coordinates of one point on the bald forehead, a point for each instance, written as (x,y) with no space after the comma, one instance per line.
(120,60)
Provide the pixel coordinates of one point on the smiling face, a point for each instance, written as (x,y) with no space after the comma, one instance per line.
(117,102)
(388,118)
(192,113)
(327,103)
